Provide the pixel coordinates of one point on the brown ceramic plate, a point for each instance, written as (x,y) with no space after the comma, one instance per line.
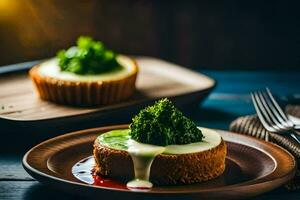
(252,168)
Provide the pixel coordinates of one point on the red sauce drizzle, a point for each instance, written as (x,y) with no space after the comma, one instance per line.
(109,183)
(83,171)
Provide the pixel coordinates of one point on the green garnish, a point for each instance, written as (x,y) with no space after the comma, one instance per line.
(88,57)
(163,124)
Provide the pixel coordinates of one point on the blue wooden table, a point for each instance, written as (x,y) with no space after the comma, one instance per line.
(229,100)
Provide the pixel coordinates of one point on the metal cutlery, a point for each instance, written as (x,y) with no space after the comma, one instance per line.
(271,115)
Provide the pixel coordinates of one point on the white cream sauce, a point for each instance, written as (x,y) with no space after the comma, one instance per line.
(142,156)
(50,68)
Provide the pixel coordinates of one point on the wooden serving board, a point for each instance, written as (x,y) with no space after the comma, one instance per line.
(156,79)
(25,116)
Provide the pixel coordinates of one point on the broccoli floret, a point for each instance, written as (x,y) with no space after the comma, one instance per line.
(88,57)
(163,124)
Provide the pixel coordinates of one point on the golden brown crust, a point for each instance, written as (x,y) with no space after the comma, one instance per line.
(167,169)
(84,93)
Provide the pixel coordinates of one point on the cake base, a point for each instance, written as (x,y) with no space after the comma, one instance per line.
(166,169)
(84,93)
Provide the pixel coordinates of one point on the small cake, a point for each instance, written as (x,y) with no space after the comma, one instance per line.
(85,75)
(162,147)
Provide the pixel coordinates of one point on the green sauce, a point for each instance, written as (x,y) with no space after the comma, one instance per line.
(117,139)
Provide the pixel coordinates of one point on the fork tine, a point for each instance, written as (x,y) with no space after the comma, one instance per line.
(267,117)
(272,119)
(260,113)
(277,120)
(277,110)
(276,104)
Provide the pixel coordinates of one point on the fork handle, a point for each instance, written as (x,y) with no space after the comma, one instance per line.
(295,137)
(297,130)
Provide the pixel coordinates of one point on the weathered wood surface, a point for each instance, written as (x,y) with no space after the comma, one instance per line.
(228,101)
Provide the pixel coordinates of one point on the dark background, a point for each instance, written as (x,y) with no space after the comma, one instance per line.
(210,34)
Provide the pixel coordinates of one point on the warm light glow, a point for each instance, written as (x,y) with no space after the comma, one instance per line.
(8,8)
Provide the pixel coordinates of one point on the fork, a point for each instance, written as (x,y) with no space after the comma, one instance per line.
(271,115)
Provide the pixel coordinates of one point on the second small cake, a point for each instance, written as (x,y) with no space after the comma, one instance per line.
(85,75)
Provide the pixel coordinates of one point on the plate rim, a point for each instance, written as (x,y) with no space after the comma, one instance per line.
(260,181)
